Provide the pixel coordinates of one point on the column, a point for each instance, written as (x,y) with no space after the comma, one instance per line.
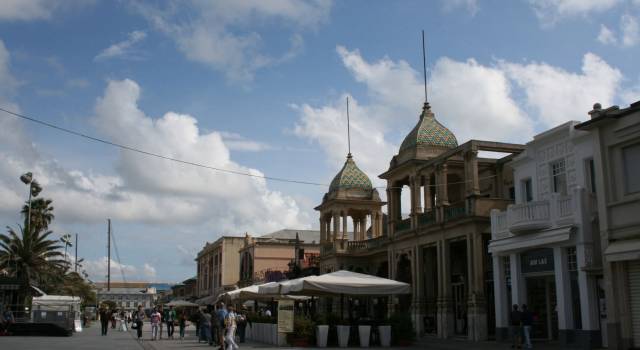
(345,217)
(518,285)
(323,227)
(418,297)
(500,299)
(336,226)
(588,298)
(471,172)
(427,193)
(445,305)
(363,228)
(390,207)
(356,232)
(444,187)
(563,295)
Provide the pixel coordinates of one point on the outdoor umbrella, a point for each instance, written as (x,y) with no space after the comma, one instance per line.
(181,303)
(252,293)
(340,283)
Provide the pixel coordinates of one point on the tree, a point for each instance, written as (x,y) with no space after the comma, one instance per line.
(41,213)
(31,256)
(73,284)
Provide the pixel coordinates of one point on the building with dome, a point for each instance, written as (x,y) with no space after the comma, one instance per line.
(438,242)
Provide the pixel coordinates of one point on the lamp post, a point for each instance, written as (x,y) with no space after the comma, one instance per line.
(66,239)
(34,190)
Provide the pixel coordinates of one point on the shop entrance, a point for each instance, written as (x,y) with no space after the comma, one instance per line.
(541,300)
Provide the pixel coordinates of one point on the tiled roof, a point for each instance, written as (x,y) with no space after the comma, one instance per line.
(429,132)
(350,177)
(306,236)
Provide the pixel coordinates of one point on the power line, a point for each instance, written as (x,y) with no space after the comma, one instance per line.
(147,153)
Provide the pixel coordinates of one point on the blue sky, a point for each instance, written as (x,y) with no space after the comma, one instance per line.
(260,87)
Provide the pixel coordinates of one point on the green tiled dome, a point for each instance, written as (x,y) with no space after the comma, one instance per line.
(429,132)
(350,177)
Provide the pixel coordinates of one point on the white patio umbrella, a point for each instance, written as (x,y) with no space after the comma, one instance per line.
(339,283)
(252,293)
(181,303)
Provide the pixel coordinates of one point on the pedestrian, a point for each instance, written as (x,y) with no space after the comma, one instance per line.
(161,320)
(105,315)
(138,319)
(516,327)
(242,323)
(170,318)
(114,313)
(156,321)
(182,323)
(221,315)
(205,326)
(527,323)
(6,320)
(231,325)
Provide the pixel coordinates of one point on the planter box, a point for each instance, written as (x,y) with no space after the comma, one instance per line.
(322,333)
(385,336)
(343,336)
(365,333)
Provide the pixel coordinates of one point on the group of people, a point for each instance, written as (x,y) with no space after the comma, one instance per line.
(219,325)
(157,318)
(521,323)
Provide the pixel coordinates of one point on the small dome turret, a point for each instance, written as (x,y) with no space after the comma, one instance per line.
(429,133)
(351,180)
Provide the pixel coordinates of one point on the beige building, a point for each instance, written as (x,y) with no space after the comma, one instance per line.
(267,258)
(439,243)
(218,266)
(616,136)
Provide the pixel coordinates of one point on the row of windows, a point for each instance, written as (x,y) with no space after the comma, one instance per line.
(558,174)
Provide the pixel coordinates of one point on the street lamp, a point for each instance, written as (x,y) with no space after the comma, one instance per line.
(66,239)
(34,190)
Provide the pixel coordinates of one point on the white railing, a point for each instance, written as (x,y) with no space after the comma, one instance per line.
(499,225)
(565,206)
(526,216)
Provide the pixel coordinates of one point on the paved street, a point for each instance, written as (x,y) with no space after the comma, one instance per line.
(90,339)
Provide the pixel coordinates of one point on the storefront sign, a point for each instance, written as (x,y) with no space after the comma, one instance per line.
(539,260)
(285,316)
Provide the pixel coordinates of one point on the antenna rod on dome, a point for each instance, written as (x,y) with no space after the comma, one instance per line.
(424,69)
(348,129)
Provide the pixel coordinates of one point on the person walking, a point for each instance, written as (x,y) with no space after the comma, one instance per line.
(516,327)
(156,320)
(170,318)
(242,323)
(105,315)
(138,320)
(205,326)
(161,321)
(221,316)
(527,323)
(182,323)
(231,325)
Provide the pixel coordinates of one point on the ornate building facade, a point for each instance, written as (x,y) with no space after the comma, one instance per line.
(439,243)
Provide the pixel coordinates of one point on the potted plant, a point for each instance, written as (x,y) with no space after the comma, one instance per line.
(402,331)
(303,332)
(322,331)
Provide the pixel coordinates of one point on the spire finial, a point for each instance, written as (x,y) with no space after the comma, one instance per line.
(424,69)
(348,130)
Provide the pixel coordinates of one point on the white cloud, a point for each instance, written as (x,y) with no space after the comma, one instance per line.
(223,36)
(149,272)
(26,10)
(629,33)
(550,11)
(558,95)
(471,6)
(606,36)
(237,142)
(630,30)
(122,49)
(97,270)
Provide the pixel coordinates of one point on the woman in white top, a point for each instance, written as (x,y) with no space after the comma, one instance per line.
(231,325)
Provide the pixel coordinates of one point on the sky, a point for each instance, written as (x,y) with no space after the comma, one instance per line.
(259,87)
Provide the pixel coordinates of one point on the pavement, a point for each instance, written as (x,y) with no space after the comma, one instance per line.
(90,339)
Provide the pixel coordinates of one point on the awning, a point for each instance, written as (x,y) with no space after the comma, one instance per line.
(342,282)
(181,303)
(526,241)
(210,300)
(623,250)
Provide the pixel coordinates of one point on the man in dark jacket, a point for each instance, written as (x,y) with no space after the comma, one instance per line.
(527,323)
(516,327)
(105,316)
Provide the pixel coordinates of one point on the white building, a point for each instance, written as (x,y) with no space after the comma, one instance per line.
(616,137)
(545,247)
(128,299)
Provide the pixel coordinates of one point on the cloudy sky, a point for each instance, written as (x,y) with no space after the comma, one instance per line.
(259,87)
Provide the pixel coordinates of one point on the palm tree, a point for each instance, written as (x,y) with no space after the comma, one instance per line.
(31,256)
(41,213)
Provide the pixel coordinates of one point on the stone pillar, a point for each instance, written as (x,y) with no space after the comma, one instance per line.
(415,198)
(363,228)
(356,229)
(418,296)
(390,209)
(345,217)
(445,305)
(590,334)
(563,296)
(518,285)
(336,226)
(427,193)
(500,299)
(477,306)
(323,227)
(444,187)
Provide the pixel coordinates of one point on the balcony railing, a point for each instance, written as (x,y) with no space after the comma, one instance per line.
(557,211)
(454,212)
(427,218)
(368,244)
(403,225)
(529,216)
